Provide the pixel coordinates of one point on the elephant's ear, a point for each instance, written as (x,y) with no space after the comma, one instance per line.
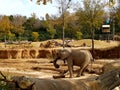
(67,50)
(66,53)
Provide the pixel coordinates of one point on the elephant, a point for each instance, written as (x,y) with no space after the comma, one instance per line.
(75,57)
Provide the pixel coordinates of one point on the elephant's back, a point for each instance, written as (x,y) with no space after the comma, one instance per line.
(81,57)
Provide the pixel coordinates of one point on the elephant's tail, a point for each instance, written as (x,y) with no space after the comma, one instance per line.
(91,62)
(91,57)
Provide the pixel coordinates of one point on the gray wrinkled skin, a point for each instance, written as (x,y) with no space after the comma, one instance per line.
(79,58)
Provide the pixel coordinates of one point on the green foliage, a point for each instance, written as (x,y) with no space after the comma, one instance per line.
(4,88)
(35,36)
(49,27)
(51,32)
(11,36)
(1,36)
(17,22)
(91,15)
(28,25)
(78,35)
(4,82)
(5,24)
(27,35)
(116,18)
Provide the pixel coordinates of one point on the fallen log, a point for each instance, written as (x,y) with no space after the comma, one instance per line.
(107,81)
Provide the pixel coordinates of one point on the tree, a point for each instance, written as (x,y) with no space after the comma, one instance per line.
(50,26)
(116,19)
(54,22)
(71,25)
(63,7)
(18,29)
(91,16)
(29,23)
(5,26)
(42,1)
(111,2)
(32,24)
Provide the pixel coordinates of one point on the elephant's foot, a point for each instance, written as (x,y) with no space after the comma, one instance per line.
(65,71)
(70,76)
(78,75)
(83,74)
(61,76)
(56,66)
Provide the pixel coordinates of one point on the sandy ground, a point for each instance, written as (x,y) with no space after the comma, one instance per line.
(40,68)
(28,67)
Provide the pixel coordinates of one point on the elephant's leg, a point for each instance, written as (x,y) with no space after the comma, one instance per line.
(64,61)
(65,71)
(84,70)
(70,67)
(70,71)
(80,72)
(55,63)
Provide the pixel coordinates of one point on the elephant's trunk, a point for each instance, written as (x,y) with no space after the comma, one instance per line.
(55,64)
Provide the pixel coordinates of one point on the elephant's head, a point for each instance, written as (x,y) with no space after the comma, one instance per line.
(61,54)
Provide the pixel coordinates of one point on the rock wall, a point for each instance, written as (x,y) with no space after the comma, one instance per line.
(26,53)
(50,53)
(108,53)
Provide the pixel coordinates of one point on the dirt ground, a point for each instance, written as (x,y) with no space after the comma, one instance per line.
(27,67)
(43,68)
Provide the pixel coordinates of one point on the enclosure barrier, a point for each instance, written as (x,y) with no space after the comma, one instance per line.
(50,53)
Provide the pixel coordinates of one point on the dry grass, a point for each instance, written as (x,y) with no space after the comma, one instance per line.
(98,44)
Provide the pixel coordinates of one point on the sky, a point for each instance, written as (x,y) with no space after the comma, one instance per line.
(26,8)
